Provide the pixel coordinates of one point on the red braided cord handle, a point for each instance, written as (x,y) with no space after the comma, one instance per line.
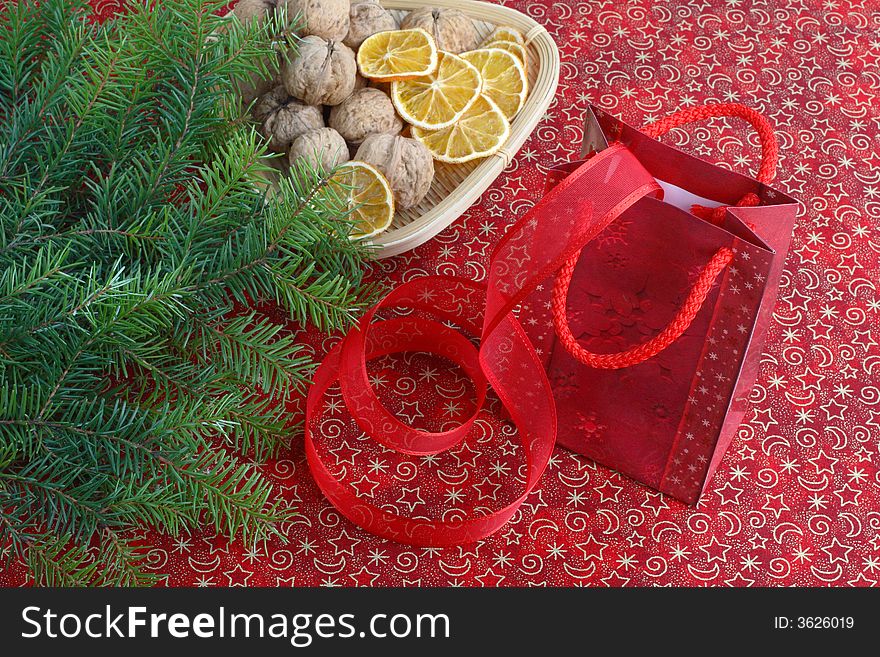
(700,290)
(704,282)
(769,145)
(766,135)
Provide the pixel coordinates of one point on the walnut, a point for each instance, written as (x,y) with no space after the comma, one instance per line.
(252,88)
(452,30)
(249,10)
(256,84)
(384,87)
(282,118)
(327,19)
(322,73)
(324,148)
(366,112)
(406,163)
(366,19)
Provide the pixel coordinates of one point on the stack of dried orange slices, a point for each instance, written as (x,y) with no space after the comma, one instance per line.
(364,195)
(459,106)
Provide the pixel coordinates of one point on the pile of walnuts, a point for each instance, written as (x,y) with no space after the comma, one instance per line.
(321,112)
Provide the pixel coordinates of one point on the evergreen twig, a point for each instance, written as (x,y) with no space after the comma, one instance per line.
(134,391)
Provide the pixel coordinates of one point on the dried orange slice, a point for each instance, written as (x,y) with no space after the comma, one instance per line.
(397,55)
(438,100)
(515,49)
(480,132)
(504,78)
(504,34)
(362,190)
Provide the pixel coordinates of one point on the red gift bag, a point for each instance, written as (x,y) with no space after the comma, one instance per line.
(650,334)
(658,323)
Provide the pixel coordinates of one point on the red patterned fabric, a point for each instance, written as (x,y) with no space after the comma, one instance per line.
(796,501)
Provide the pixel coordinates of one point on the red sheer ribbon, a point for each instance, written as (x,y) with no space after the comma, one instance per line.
(536,246)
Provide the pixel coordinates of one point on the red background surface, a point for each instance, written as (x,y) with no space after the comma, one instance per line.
(795,501)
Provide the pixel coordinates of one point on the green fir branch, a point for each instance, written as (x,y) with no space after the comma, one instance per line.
(135,229)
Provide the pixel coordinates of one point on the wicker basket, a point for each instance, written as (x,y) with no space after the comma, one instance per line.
(457,187)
